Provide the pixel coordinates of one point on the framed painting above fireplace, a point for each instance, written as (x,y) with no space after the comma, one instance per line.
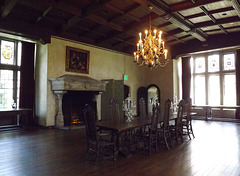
(77,60)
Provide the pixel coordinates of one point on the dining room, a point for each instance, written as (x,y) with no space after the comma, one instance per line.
(119,87)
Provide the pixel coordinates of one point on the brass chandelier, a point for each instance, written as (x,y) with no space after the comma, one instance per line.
(151,50)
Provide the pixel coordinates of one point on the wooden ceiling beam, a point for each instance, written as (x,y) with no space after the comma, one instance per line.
(65,7)
(92,30)
(104,22)
(143,20)
(8,6)
(212,43)
(218,22)
(180,39)
(122,13)
(188,4)
(173,32)
(164,25)
(85,13)
(126,41)
(177,20)
(24,29)
(169,34)
(226,28)
(212,18)
(44,14)
(222,10)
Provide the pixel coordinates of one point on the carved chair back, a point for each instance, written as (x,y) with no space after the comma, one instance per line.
(142,108)
(90,122)
(167,106)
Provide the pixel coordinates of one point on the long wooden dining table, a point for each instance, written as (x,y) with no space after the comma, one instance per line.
(119,126)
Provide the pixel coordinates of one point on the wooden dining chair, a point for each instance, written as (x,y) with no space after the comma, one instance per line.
(114,109)
(100,144)
(142,108)
(150,138)
(187,120)
(177,129)
(164,131)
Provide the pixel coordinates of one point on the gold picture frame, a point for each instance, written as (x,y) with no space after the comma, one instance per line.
(77,60)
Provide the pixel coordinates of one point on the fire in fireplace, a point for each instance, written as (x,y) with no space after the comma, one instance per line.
(73,105)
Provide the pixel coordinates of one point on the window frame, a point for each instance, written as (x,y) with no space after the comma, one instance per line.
(15,67)
(207,74)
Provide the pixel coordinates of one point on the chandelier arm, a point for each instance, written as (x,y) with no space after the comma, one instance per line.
(151,50)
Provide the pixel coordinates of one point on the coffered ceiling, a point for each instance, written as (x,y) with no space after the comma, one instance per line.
(115,24)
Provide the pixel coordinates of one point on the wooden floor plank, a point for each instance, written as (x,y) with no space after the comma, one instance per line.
(52,152)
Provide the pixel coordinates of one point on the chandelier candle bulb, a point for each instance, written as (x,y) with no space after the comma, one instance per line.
(151,50)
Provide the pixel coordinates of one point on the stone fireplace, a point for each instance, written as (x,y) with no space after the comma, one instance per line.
(72,93)
(73,103)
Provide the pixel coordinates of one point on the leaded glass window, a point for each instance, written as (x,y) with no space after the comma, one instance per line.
(6,88)
(214,90)
(200,89)
(7,52)
(229,96)
(215,85)
(10,61)
(200,65)
(229,62)
(213,63)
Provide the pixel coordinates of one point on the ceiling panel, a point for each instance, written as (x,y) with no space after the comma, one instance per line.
(218,5)
(200,19)
(226,14)
(190,11)
(113,23)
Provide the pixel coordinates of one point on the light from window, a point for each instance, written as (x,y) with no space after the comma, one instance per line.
(19,58)
(7,52)
(229,62)
(214,90)
(213,63)
(6,89)
(18,88)
(200,65)
(229,90)
(200,94)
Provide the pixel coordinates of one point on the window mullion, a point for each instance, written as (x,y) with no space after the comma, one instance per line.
(221,78)
(206,79)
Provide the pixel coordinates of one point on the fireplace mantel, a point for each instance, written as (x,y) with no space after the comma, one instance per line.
(78,83)
(65,83)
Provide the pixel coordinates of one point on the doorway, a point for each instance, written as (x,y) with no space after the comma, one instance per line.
(153,96)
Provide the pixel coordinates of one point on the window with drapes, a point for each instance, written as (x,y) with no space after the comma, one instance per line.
(213,79)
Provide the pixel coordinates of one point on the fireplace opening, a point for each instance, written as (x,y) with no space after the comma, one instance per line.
(73,105)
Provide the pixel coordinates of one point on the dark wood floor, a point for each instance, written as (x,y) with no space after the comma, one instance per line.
(45,152)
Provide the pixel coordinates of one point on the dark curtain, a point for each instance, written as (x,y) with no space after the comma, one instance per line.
(186,77)
(238,81)
(27,83)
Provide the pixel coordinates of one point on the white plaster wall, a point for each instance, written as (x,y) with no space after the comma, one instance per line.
(41,83)
(163,78)
(104,64)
